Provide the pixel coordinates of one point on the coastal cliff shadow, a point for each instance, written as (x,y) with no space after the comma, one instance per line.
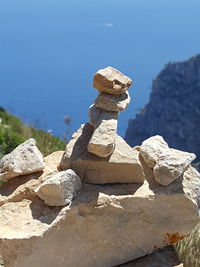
(12,185)
(43,213)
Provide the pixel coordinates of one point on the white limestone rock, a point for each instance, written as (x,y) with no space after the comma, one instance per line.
(167,164)
(60,188)
(104,226)
(111,81)
(152,148)
(117,103)
(24,159)
(170,166)
(122,166)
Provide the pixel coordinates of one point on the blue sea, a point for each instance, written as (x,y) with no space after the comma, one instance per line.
(50,50)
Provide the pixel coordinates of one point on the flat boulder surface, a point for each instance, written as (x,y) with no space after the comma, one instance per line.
(104,226)
(122,166)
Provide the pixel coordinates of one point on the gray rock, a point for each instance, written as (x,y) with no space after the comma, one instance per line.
(109,102)
(167,164)
(97,115)
(123,166)
(60,188)
(111,81)
(24,159)
(152,148)
(102,142)
(171,166)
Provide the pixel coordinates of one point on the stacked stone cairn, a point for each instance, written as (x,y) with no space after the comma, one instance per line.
(103,114)
(95,152)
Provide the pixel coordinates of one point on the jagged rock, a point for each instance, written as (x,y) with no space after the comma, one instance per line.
(165,257)
(168,164)
(60,188)
(104,226)
(24,159)
(171,166)
(111,81)
(152,148)
(123,166)
(109,102)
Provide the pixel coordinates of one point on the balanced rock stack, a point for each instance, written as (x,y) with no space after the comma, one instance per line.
(103,114)
(95,152)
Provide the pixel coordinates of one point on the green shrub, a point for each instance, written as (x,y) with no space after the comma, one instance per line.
(14,132)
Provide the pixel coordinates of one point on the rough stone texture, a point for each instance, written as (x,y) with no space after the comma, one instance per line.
(168,164)
(152,148)
(188,249)
(171,166)
(123,166)
(97,115)
(165,257)
(102,142)
(24,159)
(60,188)
(109,102)
(111,81)
(173,110)
(107,225)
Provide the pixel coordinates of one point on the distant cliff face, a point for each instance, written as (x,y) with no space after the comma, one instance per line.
(173,110)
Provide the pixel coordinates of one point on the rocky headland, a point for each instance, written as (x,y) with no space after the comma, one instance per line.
(173,110)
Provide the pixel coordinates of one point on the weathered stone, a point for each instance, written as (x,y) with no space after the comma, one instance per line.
(123,166)
(111,81)
(60,188)
(152,148)
(104,226)
(24,159)
(102,142)
(109,102)
(165,257)
(97,115)
(170,166)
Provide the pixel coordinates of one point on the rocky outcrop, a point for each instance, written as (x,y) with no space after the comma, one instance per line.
(60,188)
(173,110)
(106,225)
(24,159)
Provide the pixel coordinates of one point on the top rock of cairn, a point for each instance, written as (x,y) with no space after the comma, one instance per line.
(111,81)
